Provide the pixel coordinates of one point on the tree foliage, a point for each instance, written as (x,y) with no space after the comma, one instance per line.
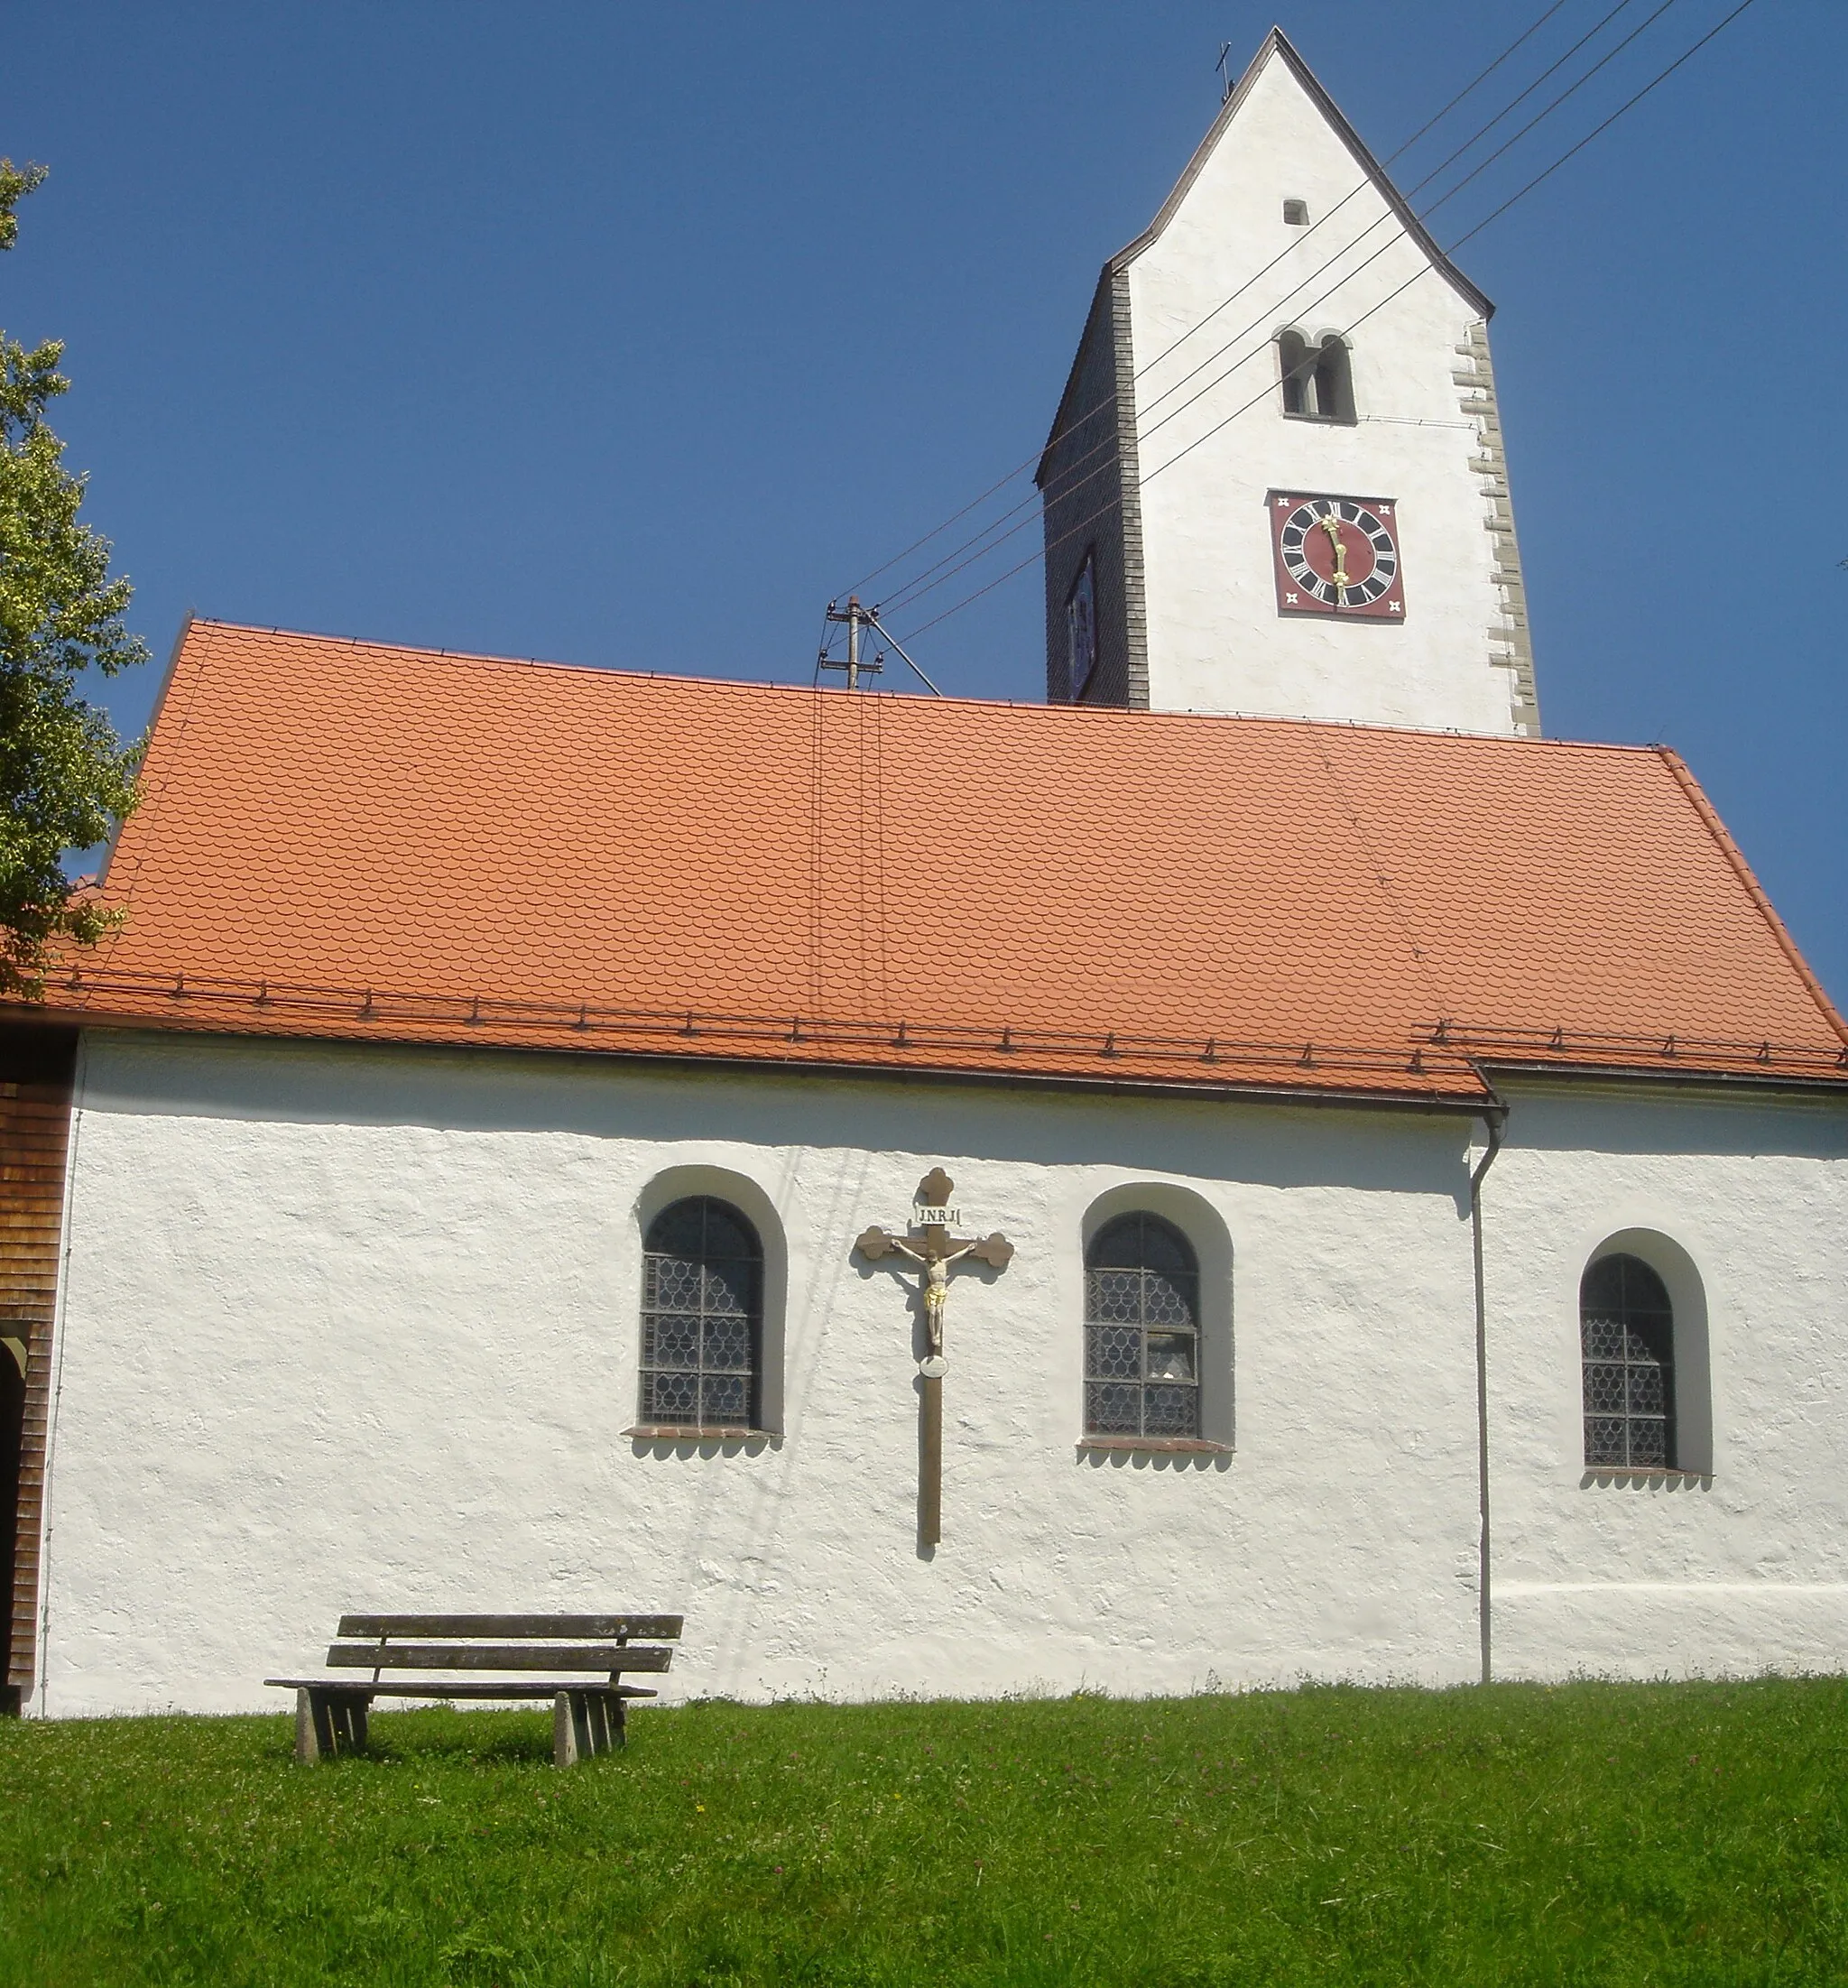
(66,779)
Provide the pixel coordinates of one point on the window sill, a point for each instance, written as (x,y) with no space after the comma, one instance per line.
(693,1432)
(1192,1445)
(1323,421)
(1646,1470)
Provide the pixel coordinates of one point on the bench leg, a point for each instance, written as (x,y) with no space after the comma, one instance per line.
(329,1723)
(586,1724)
(570,1736)
(311,1742)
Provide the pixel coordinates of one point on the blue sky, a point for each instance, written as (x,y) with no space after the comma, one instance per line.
(626,336)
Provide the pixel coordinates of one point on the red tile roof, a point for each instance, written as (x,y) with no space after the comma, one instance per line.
(348,839)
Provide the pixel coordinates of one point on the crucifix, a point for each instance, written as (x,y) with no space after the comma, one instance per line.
(931,1245)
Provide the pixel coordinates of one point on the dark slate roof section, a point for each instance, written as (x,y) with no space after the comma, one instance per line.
(1095,317)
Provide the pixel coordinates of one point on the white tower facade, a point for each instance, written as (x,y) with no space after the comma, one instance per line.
(1276,481)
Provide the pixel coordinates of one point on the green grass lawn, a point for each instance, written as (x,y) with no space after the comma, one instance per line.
(1594,1834)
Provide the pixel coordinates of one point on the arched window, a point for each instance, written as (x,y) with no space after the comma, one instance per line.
(1142,1330)
(702,1316)
(1627,1334)
(1317,379)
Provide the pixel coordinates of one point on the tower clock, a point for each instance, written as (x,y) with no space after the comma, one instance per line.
(1336,556)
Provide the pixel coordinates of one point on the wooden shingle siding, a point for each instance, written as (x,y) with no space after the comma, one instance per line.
(35,1081)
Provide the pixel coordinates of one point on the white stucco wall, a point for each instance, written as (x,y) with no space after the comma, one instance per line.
(1216,640)
(348,1328)
(1737,1570)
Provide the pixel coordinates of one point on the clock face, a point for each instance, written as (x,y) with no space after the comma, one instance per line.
(1338,556)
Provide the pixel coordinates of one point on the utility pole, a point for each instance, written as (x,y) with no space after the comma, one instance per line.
(853,614)
(855,618)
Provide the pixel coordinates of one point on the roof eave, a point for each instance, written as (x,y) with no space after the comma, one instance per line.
(1460,1100)
(1696,1077)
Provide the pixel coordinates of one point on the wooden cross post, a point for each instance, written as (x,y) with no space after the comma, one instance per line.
(931,1245)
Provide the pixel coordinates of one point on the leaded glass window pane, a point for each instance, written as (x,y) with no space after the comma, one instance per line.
(1627,1341)
(1142,1330)
(680,1230)
(1112,1408)
(702,1316)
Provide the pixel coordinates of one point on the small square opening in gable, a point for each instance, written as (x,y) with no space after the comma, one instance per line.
(1295,213)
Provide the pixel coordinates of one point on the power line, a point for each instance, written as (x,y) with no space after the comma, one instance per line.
(1028,462)
(1264,393)
(1482,77)
(908,595)
(1474,138)
(916,592)
(1572,89)
(1661,77)
(911,587)
(1611,120)
(1399,234)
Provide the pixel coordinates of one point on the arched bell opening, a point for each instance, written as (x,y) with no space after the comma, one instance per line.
(1317,376)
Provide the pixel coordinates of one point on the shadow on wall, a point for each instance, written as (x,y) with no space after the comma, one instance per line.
(1145,1460)
(1280,1146)
(11,1429)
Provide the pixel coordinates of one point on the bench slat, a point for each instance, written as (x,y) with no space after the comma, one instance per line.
(496,1657)
(556,1628)
(458,1687)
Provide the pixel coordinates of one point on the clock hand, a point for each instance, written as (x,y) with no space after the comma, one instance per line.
(1331,524)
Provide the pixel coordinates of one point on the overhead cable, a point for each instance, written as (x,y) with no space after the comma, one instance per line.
(1174,345)
(1265,392)
(1068,473)
(915,591)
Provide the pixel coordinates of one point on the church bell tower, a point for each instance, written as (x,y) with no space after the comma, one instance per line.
(1276,481)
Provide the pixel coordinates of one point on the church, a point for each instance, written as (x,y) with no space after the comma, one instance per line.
(1263,1166)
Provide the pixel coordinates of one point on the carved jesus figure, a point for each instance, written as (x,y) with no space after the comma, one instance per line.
(936,1285)
(934,1252)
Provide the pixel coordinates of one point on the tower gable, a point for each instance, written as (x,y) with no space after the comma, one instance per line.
(1286,329)
(1275,47)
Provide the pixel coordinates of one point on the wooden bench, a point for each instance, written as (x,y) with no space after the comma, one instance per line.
(587,1718)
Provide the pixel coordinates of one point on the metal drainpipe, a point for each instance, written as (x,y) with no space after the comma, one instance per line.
(1494,1120)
